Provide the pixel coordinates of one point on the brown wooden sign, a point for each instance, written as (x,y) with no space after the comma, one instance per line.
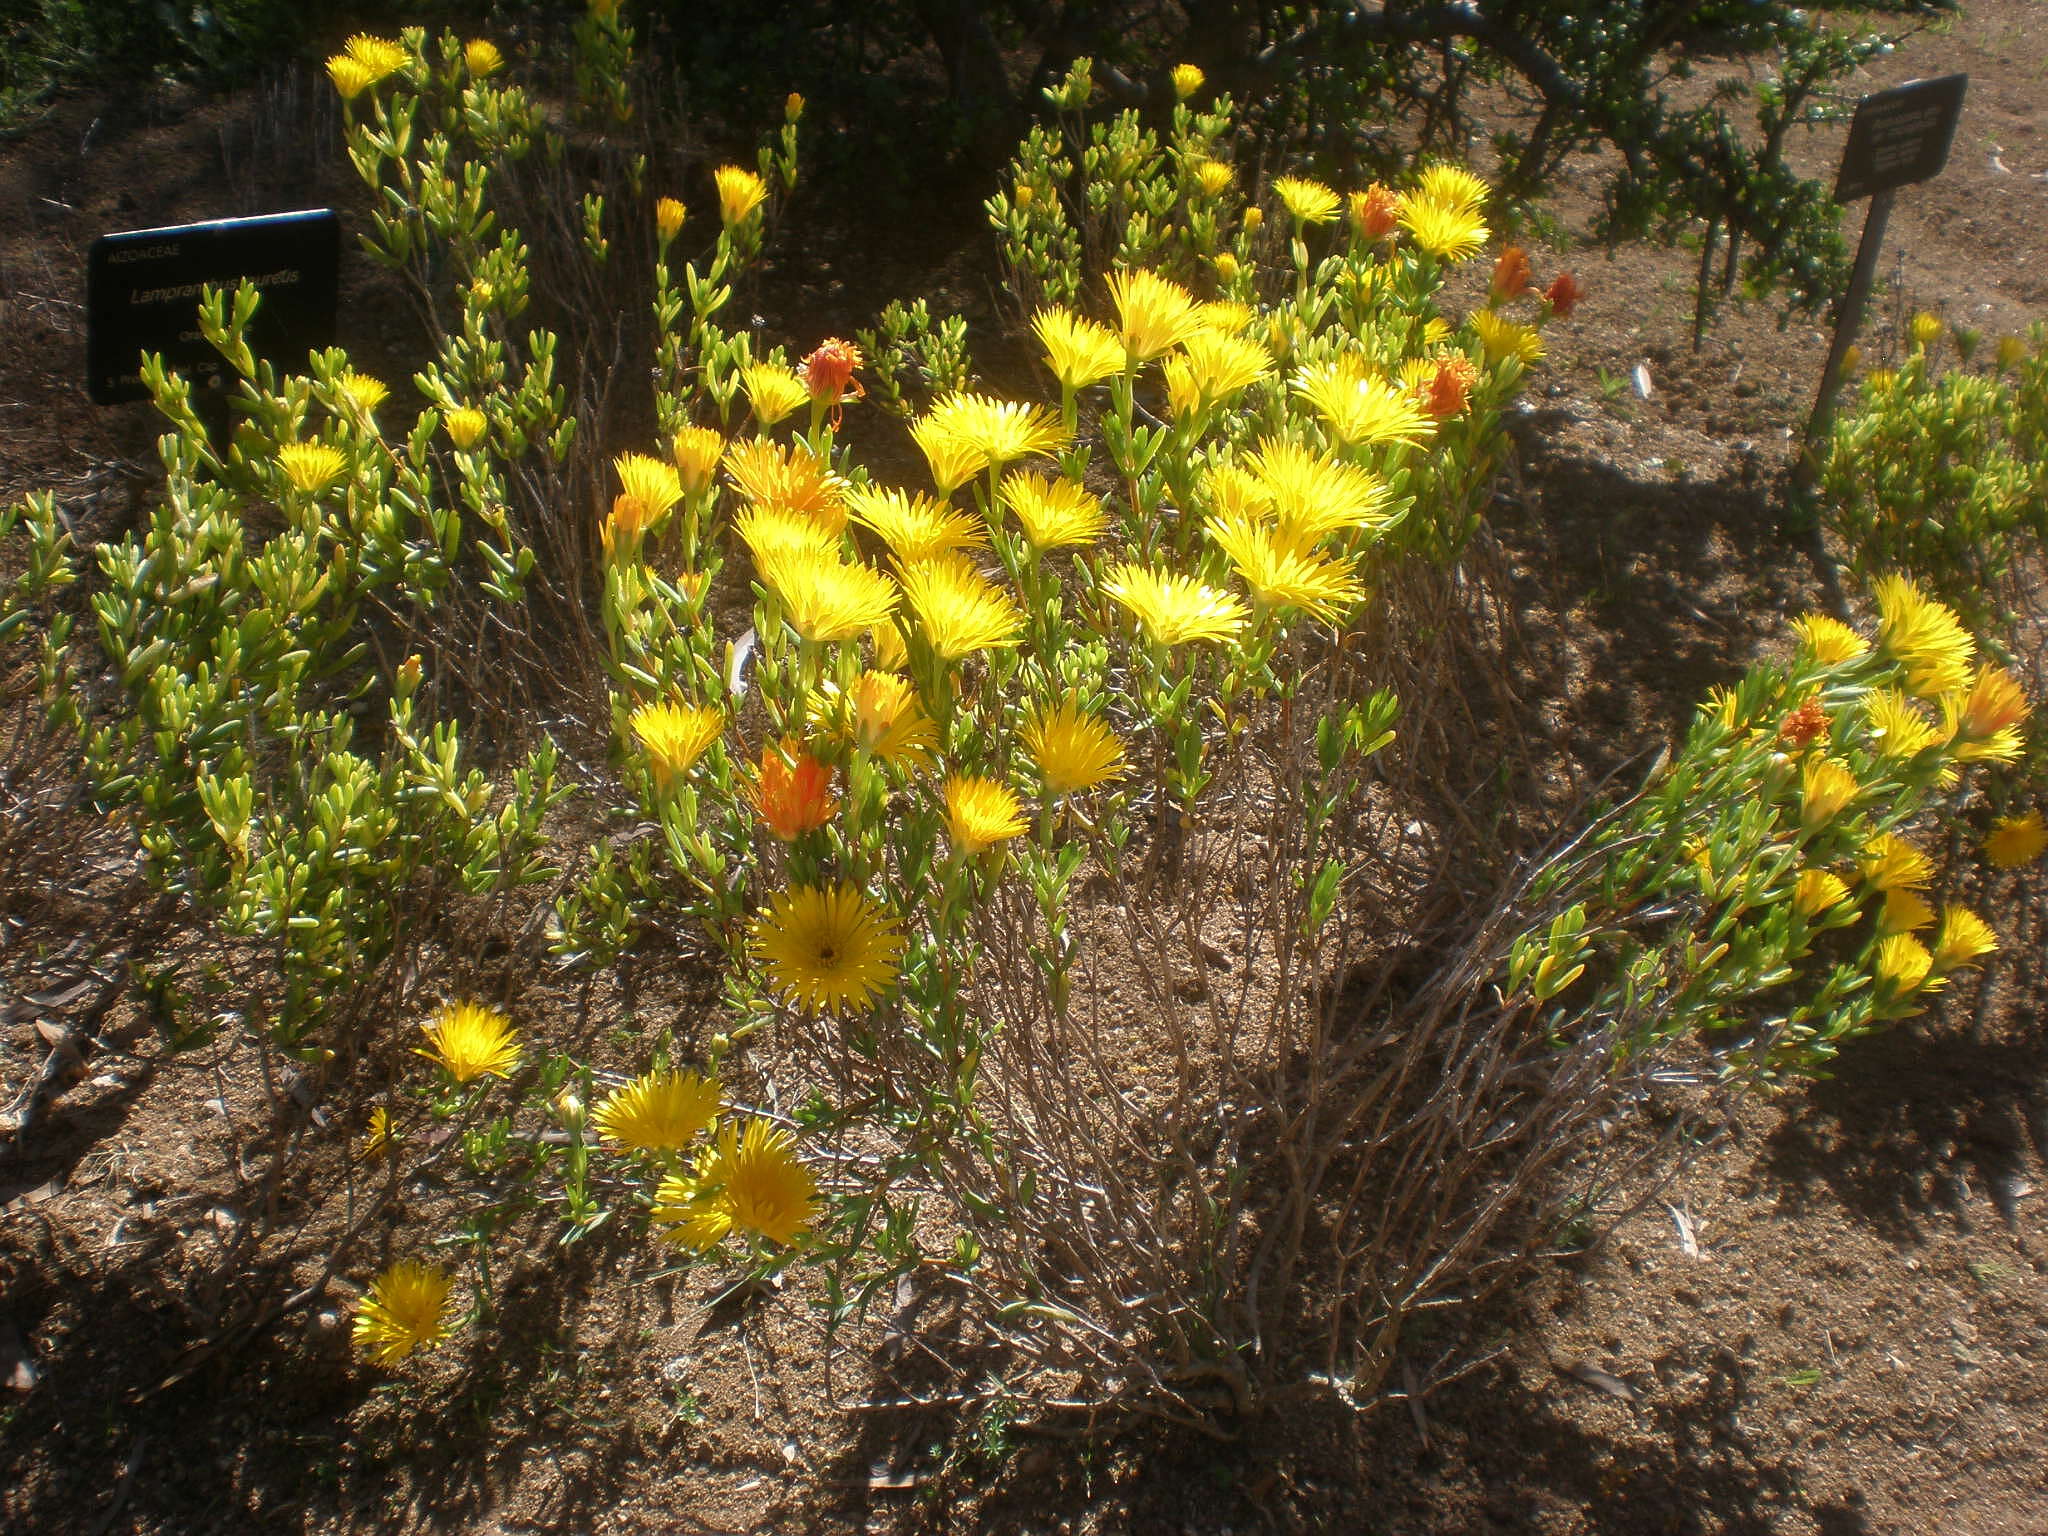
(142,290)
(1900,136)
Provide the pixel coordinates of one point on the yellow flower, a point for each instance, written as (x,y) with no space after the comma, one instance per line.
(1361,405)
(749,1181)
(953,462)
(1720,705)
(1001,431)
(465,426)
(1985,720)
(1307,202)
(1174,609)
(1211,368)
(1890,863)
(2016,840)
(363,392)
(1232,489)
(1501,337)
(825,597)
(981,813)
(669,214)
(1226,266)
(1828,641)
(659,1111)
(1079,352)
(913,526)
(1903,963)
(406,1308)
(1313,494)
(772,534)
(469,1041)
(1448,233)
(480,55)
(351,76)
(1225,315)
(1903,912)
(773,391)
(829,949)
(791,478)
(1926,329)
(1827,786)
(696,451)
(380,1136)
(740,192)
(1074,751)
(1964,939)
(1452,186)
(1154,314)
(1053,513)
(1187,79)
(1901,729)
(878,712)
(379,54)
(2012,351)
(650,484)
(674,736)
(959,609)
(1922,636)
(891,653)
(312,467)
(1817,892)
(1213,177)
(1283,572)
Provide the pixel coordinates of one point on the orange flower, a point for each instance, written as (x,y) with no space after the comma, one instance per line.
(1376,211)
(1806,723)
(1564,294)
(1449,386)
(1511,276)
(793,792)
(828,372)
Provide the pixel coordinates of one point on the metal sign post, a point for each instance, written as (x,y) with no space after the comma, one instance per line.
(1898,137)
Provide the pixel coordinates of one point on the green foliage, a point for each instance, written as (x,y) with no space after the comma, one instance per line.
(1942,472)
(45,44)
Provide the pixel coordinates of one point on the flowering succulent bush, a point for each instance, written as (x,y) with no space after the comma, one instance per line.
(1027,806)
(1767,893)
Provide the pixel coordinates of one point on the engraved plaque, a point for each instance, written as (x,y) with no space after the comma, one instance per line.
(142,292)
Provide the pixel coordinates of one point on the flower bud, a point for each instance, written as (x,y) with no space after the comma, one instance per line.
(569,1110)
(668,218)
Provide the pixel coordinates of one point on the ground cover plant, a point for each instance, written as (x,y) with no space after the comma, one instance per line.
(1054,792)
